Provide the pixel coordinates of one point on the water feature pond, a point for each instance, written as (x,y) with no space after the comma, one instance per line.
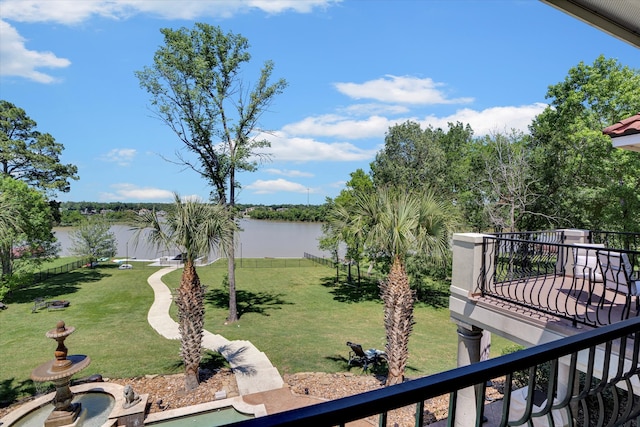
(97,405)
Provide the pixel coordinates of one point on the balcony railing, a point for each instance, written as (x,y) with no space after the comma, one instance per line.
(615,239)
(593,378)
(585,283)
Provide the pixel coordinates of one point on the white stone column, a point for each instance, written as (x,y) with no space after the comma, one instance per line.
(566,259)
(469,352)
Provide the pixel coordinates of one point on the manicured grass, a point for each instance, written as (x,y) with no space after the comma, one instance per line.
(296,314)
(302,320)
(109,310)
(51,264)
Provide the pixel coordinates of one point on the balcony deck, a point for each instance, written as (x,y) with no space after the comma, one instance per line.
(547,280)
(558,301)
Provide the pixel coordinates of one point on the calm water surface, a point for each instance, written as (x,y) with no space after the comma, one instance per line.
(258,239)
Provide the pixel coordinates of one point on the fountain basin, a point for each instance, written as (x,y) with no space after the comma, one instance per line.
(111,392)
(96,408)
(187,416)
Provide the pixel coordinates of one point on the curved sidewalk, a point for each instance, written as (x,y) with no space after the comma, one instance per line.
(253,369)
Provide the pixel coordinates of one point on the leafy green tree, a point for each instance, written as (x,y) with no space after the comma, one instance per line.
(93,239)
(29,155)
(70,217)
(27,236)
(196,89)
(411,156)
(338,227)
(443,161)
(330,239)
(395,223)
(585,181)
(196,229)
(9,213)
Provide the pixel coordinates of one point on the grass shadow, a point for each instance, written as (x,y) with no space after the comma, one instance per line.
(11,393)
(247,302)
(367,290)
(210,364)
(61,284)
(213,360)
(342,363)
(433,296)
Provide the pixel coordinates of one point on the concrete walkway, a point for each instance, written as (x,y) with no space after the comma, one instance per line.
(253,369)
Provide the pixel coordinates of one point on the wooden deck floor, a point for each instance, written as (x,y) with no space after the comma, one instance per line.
(559,300)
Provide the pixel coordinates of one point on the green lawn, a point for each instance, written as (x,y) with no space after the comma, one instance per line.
(295,314)
(302,320)
(109,310)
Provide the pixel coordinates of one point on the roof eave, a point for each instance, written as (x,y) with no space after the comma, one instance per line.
(611,23)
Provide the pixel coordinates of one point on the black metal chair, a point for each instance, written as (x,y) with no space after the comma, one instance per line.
(365,359)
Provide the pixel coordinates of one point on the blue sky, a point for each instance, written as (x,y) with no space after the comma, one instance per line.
(354,68)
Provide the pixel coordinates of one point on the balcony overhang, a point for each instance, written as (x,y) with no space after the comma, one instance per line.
(620,19)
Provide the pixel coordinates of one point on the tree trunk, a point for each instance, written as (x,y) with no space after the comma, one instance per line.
(231,268)
(231,254)
(5,257)
(398,301)
(190,303)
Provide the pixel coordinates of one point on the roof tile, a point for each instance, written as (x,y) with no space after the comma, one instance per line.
(624,127)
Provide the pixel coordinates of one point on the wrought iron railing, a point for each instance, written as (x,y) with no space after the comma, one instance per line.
(593,379)
(567,281)
(616,239)
(545,236)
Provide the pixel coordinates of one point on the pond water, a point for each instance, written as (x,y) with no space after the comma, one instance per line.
(218,417)
(98,406)
(258,239)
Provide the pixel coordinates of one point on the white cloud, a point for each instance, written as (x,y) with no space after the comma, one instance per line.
(374,109)
(290,173)
(76,11)
(333,125)
(133,192)
(491,119)
(121,156)
(17,60)
(345,127)
(276,185)
(400,89)
(284,148)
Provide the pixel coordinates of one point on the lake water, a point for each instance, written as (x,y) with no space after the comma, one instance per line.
(258,239)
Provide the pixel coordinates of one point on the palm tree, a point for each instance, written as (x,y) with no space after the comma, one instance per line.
(395,223)
(195,228)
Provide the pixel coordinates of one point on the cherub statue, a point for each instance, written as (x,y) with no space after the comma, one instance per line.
(131,398)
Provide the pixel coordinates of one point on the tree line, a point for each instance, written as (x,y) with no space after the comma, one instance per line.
(75,213)
(564,173)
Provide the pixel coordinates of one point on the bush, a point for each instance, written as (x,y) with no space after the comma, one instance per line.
(520,379)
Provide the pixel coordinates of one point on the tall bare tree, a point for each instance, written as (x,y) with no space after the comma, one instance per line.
(196,89)
(508,183)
